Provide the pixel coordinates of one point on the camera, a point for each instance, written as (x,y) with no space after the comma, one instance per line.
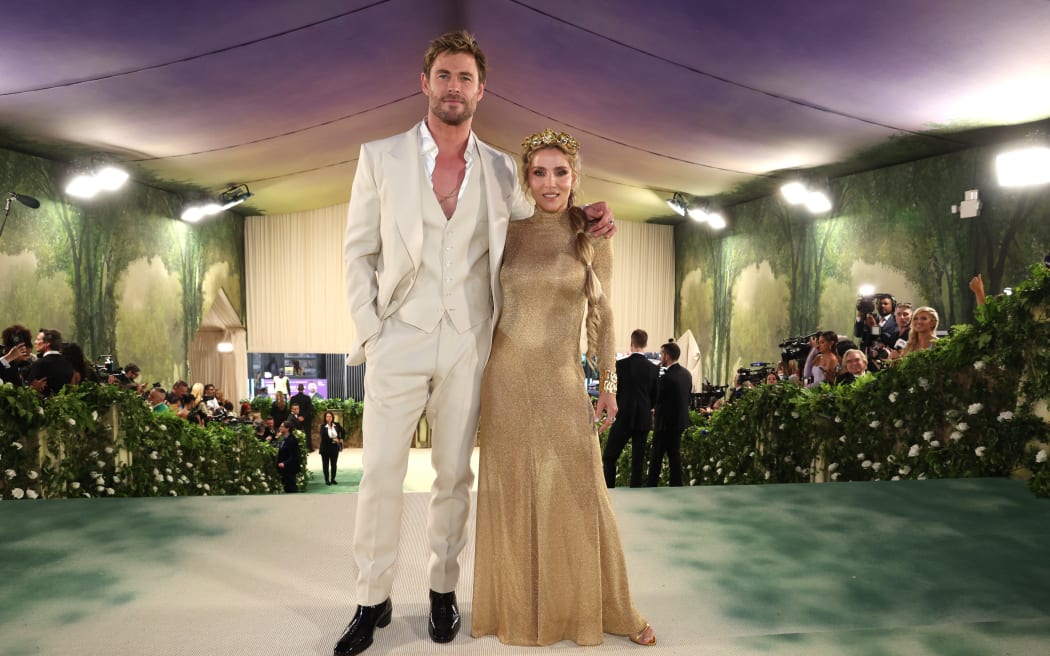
(866,304)
(796,348)
(755,373)
(707,396)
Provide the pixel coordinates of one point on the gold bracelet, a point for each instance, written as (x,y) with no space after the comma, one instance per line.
(607,382)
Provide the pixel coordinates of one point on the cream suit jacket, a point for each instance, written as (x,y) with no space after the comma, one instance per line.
(383,244)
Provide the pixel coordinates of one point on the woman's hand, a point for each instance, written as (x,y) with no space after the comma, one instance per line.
(602,221)
(606,406)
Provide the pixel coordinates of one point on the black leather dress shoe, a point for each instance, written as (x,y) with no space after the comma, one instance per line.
(358,634)
(444,616)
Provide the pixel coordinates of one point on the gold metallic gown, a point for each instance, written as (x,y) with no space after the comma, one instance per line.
(548,561)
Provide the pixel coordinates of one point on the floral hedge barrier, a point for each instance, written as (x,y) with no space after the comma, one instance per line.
(970,406)
(101,441)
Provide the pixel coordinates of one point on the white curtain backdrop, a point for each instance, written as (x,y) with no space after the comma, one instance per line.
(227,371)
(296,300)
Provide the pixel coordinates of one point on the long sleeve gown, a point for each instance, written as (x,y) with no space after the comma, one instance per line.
(548,561)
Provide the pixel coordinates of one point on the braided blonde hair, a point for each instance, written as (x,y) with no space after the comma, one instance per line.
(583,246)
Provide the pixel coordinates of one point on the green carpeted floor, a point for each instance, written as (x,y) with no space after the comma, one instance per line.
(955,567)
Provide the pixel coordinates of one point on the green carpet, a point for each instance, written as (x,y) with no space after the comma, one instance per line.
(954,567)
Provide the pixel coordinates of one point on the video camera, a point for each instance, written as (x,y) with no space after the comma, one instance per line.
(707,396)
(796,348)
(755,373)
(105,366)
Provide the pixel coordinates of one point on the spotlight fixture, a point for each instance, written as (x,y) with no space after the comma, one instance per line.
(235,194)
(794,192)
(702,214)
(100,178)
(1027,166)
(797,193)
(677,203)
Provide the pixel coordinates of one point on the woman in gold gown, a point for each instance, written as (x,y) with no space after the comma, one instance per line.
(548,561)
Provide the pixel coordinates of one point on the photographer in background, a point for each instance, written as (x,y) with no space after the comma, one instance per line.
(876,327)
(15,356)
(126,377)
(51,371)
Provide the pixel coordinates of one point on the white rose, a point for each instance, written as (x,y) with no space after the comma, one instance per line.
(72,422)
(1041,456)
(913,451)
(963,426)
(794,415)
(874,424)
(866,464)
(18,493)
(1005,415)
(935,444)
(893,397)
(32,494)
(974,408)
(979,451)
(928,435)
(923,383)
(835,476)
(898,424)
(33,475)
(10,473)
(94,415)
(75,485)
(876,466)
(833,466)
(955,436)
(979,365)
(860,456)
(905,470)
(18,445)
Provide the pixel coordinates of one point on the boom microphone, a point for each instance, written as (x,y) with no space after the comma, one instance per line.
(28,201)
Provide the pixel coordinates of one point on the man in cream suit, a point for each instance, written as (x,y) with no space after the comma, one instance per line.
(423,246)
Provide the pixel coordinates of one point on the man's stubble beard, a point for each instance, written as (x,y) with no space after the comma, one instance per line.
(448,118)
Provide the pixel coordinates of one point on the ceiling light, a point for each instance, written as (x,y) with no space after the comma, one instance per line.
(716,221)
(1027,166)
(235,194)
(102,178)
(794,192)
(697,214)
(817,202)
(677,203)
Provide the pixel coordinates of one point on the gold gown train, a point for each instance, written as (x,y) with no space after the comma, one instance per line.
(548,561)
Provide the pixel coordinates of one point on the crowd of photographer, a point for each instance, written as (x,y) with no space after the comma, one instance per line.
(47,364)
(884,331)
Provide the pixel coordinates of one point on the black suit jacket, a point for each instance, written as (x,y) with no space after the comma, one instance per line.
(288,453)
(53,366)
(672,400)
(328,446)
(636,391)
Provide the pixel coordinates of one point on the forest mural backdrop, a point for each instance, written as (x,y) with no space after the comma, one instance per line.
(778,271)
(117,274)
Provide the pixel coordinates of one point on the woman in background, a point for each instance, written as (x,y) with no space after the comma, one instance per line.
(332,435)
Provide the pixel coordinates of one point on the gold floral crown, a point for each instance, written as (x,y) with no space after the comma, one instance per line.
(550,138)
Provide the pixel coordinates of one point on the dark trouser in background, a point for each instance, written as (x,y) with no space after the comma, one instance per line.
(329,460)
(288,478)
(618,438)
(670,443)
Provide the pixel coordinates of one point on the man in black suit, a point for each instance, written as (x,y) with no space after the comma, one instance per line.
(636,379)
(672,416)
(305,415)
(288,461)
(51,366)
